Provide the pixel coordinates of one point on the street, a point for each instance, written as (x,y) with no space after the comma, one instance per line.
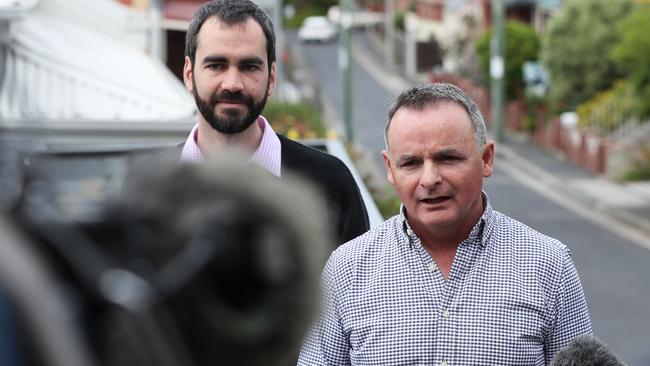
(614,271)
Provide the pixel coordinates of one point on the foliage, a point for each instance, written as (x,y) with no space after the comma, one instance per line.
(640,167)
(607,109)
(576,46)
(382,192)
(521,45)
(388,202)
(399,20)
(321,5)
(632,55)
(535,111)
(294,120)
(298,18)
(304,9)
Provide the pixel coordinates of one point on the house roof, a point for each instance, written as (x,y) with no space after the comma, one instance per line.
(67,60)
(181,9)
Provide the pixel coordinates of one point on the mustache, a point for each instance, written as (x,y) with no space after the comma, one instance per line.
(230,97)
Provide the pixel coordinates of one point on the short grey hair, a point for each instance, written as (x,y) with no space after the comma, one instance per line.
(420,96)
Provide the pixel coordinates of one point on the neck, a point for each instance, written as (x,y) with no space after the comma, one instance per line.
(441,244)
(211,141)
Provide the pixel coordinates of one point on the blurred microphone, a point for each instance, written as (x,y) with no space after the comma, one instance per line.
(586,350)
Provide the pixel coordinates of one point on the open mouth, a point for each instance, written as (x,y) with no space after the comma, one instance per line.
(435,201)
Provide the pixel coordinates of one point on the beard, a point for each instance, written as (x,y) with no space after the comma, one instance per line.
(235,120)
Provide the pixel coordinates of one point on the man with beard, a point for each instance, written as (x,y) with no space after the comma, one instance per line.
(230,69)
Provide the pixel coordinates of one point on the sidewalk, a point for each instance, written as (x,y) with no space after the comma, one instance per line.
(628,204)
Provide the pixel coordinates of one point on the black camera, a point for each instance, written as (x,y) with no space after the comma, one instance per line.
(189,264)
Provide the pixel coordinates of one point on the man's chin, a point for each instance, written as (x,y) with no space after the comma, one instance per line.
(232,113)
(437,218)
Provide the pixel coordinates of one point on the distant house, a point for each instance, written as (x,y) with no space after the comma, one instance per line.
(433,28)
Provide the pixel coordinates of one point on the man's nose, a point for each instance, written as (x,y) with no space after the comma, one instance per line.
(232,80)
(430,175)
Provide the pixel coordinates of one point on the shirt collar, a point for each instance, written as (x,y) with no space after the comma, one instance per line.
(480,233)
(267,155)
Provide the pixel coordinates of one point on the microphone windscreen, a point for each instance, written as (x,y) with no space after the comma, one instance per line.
(586,350)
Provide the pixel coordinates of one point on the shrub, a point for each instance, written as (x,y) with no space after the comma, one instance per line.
(399,20)
(576,47)
(608,109)
(521,45)
(640,167)
(632,55)
(294,120)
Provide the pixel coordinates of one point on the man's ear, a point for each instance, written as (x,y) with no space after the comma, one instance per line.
(187,75)
(272,75)
(488,159)
(387,165)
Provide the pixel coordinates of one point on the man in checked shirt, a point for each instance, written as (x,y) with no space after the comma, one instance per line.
(448,281)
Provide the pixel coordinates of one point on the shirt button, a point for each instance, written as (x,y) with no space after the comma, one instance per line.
(433,267)
(409,232)
(445,313)
(444,363)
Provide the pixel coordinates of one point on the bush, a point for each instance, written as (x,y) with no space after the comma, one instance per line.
(299,17)
(521,45)
(304,9)
(399,20)
(576,47)
(632,55)
(608,109)
(294,120)
(640,167)
(388,202)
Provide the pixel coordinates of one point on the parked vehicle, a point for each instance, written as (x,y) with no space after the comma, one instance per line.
(317,29)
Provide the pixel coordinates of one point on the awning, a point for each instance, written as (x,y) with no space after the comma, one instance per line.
(69,60)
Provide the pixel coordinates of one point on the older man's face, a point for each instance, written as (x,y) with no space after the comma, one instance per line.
(436,167)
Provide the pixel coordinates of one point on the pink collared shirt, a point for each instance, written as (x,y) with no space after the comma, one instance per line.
(267,155)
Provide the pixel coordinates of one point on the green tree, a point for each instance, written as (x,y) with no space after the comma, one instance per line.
(632,55)
(576,47)
(521,45)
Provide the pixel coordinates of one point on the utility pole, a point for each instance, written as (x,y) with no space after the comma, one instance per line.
(157,47)
(389,33)
(497,68)
(345,64)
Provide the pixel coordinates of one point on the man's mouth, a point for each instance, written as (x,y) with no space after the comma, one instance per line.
(231,103)
(435,200)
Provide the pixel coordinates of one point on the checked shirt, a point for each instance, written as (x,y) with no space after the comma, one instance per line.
(513,297)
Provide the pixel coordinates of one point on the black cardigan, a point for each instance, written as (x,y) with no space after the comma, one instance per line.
(327,173)
(334,180)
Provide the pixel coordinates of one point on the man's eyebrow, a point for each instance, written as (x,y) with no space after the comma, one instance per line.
(450,151)
(405,157)
(216,59)
(251,60)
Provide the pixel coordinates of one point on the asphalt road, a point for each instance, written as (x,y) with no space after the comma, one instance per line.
(370,100)
(615,272)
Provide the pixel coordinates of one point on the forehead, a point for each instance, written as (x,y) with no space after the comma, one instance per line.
(440,123)
(217,36)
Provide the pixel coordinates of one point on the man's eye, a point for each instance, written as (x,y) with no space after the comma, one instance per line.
(215,66)
(409,164)
(250,67)
(450,159)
